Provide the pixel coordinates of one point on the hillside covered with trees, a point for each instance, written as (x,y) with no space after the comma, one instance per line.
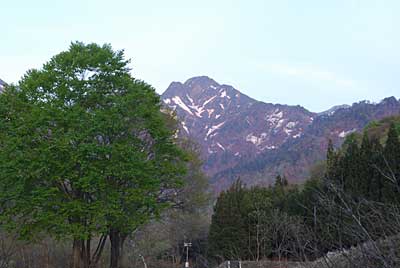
(351,199)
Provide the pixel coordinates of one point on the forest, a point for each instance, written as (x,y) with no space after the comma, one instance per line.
(351,200)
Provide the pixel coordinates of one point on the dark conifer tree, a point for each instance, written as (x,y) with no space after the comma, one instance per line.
(391,167)
(228,234)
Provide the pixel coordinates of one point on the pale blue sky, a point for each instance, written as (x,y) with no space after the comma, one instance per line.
(314,53)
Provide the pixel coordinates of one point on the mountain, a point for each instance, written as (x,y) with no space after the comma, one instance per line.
(242,137)
(230,126)
(295,158)
(333,110)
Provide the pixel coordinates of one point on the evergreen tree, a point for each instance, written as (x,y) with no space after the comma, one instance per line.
(366,167)
(391,169)
(375,164)
(228,234)
(351,166)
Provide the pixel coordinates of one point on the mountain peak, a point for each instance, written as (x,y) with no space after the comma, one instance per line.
(333,110)
(229,125)
(389,100)
(201,81)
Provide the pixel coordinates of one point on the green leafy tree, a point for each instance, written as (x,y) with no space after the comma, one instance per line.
(85,151)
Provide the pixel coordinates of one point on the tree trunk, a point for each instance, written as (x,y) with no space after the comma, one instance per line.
(77,254)
(115,249)
(117,240)
(99,250)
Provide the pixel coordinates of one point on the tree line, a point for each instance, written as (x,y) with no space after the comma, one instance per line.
(351,199)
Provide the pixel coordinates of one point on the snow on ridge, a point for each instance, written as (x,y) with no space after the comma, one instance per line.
(222,106)
(181,104)
(210,111)
(345,133)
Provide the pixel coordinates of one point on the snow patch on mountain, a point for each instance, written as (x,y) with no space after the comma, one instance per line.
(181,104)
(275,117)
(190,99)
(185,127)
(345,133)
(224,94)
(209,100)
(280,123)
(214,128)
(197,110)
(255,139)
(220,146)
(298,135)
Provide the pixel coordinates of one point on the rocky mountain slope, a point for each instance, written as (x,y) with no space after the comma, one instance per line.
(253,140)
(230,126)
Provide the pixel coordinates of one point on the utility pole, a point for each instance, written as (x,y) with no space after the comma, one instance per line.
(143,260)
(187,245)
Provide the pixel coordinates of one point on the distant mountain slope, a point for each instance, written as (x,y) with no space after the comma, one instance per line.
(295,157)
(2,85)
(242,137)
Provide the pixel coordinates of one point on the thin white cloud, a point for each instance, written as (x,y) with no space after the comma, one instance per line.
(309,73)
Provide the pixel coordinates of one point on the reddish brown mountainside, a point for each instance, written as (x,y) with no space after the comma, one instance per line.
(240,136)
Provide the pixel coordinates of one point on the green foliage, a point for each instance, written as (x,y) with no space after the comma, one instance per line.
(358,182)
(84,148)
(228,236)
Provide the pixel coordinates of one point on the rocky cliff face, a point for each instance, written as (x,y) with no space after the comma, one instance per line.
(253,140)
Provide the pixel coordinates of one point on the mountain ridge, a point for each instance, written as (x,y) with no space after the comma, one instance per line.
(254,140)
(229,125)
